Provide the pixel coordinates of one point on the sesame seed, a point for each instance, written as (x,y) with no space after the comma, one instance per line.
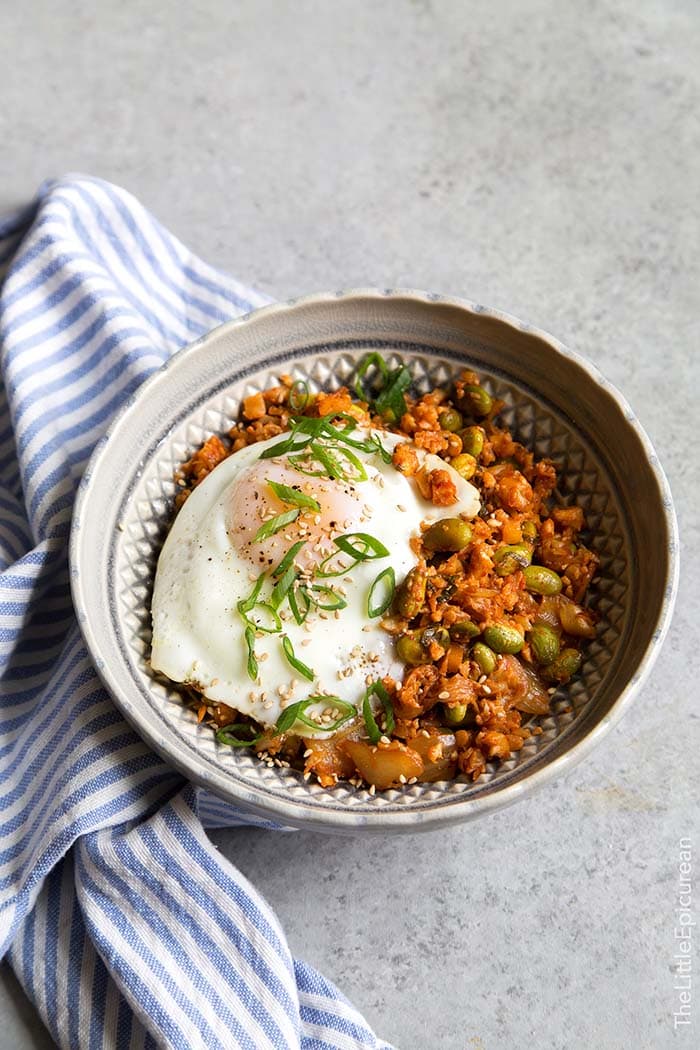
(402,778)
(308,752)
(400,506)
(444,695)
(413,780)
(384,740)
(372,789)
(486,689)
(552,691)
(482,679)
(306,641)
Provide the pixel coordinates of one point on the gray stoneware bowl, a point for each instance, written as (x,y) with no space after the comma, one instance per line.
(558,405)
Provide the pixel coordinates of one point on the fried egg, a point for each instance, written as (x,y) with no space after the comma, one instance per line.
(216,557)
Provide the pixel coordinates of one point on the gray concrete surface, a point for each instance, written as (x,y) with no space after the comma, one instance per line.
(543,158)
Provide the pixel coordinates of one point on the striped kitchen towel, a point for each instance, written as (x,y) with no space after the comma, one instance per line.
(121,920)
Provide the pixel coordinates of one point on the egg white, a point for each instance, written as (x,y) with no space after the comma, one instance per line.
(198,634)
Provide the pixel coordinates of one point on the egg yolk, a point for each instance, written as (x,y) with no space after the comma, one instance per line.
(252,502)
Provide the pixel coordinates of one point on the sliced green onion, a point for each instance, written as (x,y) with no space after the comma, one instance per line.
(294,661)
(373,731)
(391,404)
(271,611)
(318,454)
(288,558)
(231,735)
(283,586)
(368,549)
(297,597)
(299,396)
(360,472)
(246,604)
(369,361)
(252,665)
(379,448)
(286,445)
(329,603)
(291,495)
(381,593)
(295,713)
(275,524)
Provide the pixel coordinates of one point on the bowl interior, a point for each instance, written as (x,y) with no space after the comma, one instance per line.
(554,407)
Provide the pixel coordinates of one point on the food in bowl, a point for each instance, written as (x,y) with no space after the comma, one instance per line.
(369,586)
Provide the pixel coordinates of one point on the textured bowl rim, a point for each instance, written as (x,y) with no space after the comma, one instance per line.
(294,813)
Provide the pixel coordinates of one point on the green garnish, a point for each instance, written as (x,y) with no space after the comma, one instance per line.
(299,396)
(391,404)
(294,596)
(365,548)
(302,431)
(319,448)
(288,559)
(246,604)
(369,361)
(373,731)
(294,661)
(381,593)
(331,459)
(275,524)
(331,602)
(389,387)
(231,735)
(281,589)
(295,713)
(252,665)
(291,495)
(271,611)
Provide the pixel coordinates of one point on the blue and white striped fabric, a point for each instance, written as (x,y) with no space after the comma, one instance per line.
(124,925)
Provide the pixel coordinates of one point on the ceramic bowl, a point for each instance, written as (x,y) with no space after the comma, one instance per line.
(558,405)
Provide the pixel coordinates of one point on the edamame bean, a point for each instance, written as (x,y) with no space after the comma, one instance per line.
(454,716)
(448,534)
(465,465)
(476,401)
(484,657)
(544,643)
(473,440)
(410,650)
(450,419)
(410,596)
(440,635)
(565,665)
(503,639)
(541,580)
(464,629)
(510,558)
(529,531)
